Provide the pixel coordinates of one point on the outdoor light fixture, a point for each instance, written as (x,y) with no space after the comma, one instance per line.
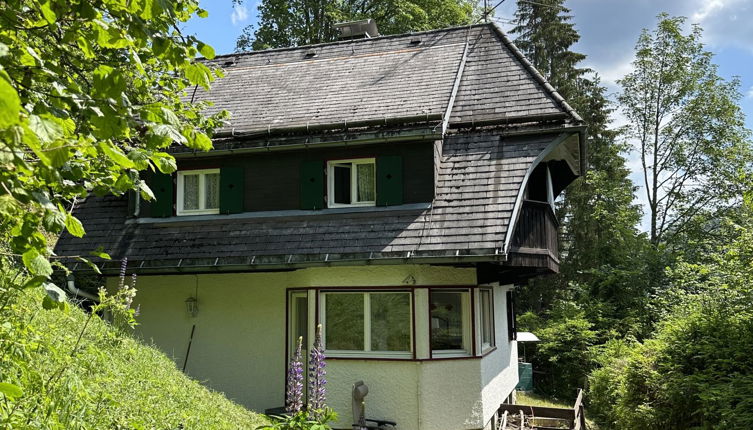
(192,306)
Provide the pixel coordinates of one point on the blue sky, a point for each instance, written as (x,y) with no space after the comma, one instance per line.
(608,29)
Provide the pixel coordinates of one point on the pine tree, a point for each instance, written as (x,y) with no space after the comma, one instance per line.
(597,211)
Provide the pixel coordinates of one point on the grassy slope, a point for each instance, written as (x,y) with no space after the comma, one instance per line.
(112,382)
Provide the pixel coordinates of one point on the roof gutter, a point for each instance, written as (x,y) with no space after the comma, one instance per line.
(287,263)
(332,126)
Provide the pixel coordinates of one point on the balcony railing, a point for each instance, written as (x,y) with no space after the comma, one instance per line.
(537,230)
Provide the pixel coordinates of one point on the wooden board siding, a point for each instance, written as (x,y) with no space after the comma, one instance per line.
(536,241)
(272,181)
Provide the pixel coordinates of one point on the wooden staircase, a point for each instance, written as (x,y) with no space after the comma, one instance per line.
(526,417)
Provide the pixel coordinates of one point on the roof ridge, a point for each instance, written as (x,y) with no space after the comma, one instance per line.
(535,73)
(345,42)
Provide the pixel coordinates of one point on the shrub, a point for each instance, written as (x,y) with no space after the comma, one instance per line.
(696,371)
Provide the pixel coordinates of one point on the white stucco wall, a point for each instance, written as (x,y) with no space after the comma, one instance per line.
(499,370)
(239,344)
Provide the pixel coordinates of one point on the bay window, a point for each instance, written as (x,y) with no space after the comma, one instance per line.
(486,307)
(450,322)
(367,323)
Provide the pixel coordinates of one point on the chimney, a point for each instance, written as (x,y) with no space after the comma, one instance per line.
(363,29)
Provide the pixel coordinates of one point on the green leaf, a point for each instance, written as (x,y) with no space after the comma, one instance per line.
(49,15)
(55,298)
(91,264)
(85,47)
(74,226)
(165,162)
(45,127)
(206,50)
(115,154)
(35,282)
(10,104)
(199,140)
(202,13)
(10,391)
(99,252)
(36,263)
(198,74)
(4,50)
(170,132)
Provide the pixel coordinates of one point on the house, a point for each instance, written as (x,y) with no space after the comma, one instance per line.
(393,189)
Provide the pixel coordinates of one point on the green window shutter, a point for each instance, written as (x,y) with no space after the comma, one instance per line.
(162,187)
(231,190)
(389,186)
(312,185)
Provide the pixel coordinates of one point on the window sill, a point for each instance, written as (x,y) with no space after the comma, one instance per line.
(199,212)
(450,354)
(368,355)
(487,351)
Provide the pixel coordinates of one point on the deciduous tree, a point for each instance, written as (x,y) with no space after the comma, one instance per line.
(91,92)
(688,128)
(284,23)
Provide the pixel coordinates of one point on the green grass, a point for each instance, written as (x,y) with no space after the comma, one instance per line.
(111,381)
(533,399)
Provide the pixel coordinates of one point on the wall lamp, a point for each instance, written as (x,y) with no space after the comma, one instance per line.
(192,307)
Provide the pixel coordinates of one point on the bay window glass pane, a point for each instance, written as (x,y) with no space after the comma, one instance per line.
(342,183)
(487,318)
(390,321)
(366,182)
(212,191)
(344,321)
(190,192)
(446,320)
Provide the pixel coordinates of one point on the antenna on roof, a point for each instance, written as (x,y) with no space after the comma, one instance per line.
(363,29)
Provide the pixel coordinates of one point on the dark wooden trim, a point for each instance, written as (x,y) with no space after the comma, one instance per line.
(467,357)
(287,343)
(413,320)
(474,337)
(488,351)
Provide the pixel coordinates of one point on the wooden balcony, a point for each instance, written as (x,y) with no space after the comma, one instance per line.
(535,243)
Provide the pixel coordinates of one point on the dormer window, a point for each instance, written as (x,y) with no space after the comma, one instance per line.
(198,192)
(351,182)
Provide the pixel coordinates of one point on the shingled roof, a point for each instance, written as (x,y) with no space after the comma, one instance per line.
(390,77)
(479,175)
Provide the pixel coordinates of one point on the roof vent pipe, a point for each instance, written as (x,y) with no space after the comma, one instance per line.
(363,29)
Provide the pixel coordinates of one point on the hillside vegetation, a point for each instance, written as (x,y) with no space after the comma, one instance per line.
(53,375)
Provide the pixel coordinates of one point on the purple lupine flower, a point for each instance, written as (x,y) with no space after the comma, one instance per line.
(317,391)
(294,392)
(123,266)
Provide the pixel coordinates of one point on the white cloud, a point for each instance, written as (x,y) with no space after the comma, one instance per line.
(749,94)
(239,15)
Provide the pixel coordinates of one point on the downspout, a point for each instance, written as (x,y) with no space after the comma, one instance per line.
(71,284)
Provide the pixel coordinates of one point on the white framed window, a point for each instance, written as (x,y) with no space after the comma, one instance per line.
(351,182)
(367,323)
(450,312)
(198,192)
(486,316)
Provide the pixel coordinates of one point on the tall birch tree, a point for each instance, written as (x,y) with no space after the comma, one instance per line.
(688,129)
